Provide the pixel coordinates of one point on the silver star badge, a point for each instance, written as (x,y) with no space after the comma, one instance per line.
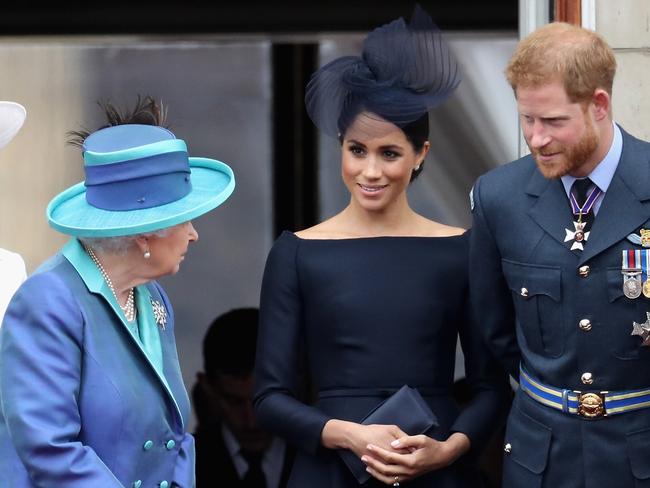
(642,330)
(159,313)
(578,236)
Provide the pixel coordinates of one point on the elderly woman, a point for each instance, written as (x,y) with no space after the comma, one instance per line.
(90,386)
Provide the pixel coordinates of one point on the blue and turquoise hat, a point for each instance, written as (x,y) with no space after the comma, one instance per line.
(139,178)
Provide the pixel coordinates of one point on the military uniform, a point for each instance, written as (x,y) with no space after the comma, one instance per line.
(563,317)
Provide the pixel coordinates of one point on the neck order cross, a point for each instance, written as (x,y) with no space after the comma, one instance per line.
(129,306)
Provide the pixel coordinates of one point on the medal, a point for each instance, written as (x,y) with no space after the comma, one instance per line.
(642,330)
(579,236)
(646,289)
(632,269)
(645,259)
(632,286)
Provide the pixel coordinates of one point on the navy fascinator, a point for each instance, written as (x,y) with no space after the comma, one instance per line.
(404,70)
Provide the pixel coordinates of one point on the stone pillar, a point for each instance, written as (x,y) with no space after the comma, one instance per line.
(626,27)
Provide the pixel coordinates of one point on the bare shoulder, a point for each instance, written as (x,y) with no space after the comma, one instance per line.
(328,229)
(448,230)
(436,229)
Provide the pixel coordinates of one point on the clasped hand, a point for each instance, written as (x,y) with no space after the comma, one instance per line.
(412,456)
(341,434)
(388,452)
(373,435)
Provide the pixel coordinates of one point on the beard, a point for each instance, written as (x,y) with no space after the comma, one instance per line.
(569,158)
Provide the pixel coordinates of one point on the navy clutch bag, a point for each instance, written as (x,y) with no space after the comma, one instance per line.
(405,408)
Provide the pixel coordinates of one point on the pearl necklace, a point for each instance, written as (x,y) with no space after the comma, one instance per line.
(129,308)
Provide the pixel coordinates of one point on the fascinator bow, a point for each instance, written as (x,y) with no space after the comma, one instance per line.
(404,70)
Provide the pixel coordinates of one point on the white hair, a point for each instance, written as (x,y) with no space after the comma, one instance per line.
(118,245)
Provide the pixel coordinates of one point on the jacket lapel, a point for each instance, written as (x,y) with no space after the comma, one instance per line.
(171,369)
(623,209)
(551,209)
(169,376)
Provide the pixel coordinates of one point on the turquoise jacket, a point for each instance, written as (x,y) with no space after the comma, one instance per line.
(86,399)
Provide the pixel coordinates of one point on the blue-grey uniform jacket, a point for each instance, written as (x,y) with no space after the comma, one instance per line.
(563,314)
(84,403)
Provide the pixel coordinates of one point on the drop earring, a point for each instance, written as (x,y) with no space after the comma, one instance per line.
(147,254)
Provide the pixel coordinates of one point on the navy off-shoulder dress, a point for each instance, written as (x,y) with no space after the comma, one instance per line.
(373,314)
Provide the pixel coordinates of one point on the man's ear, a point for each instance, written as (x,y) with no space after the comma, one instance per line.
(602,104)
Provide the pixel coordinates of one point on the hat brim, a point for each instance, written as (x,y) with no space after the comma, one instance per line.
(12,117)
(69,212)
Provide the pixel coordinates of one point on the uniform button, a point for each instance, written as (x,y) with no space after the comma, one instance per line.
(170,444)
(164,484)
(587,378)
(137,484)
(507,448)
(583,271)
(524,292)
(585,324)
(147,445)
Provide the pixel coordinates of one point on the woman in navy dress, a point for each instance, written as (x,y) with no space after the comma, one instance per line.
(377,294)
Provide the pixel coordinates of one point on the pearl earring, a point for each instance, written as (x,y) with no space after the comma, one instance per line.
(147,254)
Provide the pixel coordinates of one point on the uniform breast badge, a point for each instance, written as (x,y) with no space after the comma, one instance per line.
(640,239)
(159,313)
(642,330)
(632,273)
(645,237)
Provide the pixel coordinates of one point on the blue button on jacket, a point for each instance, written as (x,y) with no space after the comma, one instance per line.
(79,396)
